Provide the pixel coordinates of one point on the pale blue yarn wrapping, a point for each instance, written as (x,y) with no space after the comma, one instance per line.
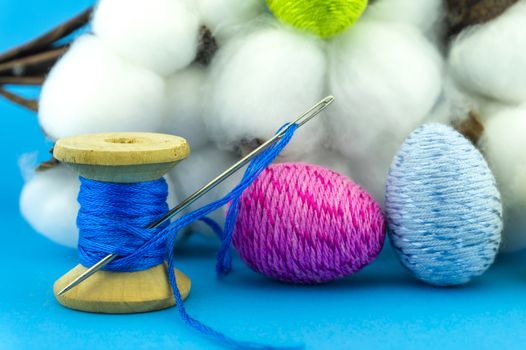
(443,207)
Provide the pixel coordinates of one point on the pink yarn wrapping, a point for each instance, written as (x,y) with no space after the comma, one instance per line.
(303,223)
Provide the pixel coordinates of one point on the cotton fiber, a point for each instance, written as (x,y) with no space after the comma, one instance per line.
(200,168)
(49,203)
(224,17)
(160,35)
(91,89)
(454,104)
(426,15)
(386,78)
(184,106)
(330,159)
(504,144)
(262,80)
(490,59)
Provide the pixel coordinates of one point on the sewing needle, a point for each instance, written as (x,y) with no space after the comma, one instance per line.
(300,121)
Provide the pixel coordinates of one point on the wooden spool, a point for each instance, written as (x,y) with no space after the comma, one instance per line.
(123,158)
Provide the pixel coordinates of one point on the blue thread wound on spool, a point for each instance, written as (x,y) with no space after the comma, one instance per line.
(112,218)
(443,207)
(122,212)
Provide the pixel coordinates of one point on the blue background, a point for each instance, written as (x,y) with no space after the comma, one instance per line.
(381,307)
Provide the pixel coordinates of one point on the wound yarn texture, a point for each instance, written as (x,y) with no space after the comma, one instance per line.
(303,223)
(113,217)
(321,17)
(443,207)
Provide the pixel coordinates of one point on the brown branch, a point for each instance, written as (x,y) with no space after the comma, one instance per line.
(464,13)
(46,40)
(29,104)
(29,80)
(207,46)
(40,62)
(48,164)
(472,127)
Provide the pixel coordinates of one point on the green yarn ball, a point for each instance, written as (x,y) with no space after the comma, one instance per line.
(321,17)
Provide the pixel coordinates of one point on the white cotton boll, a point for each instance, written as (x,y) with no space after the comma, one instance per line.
(201,167)
(454,105)
(223,16)
(27,163)
(490,59)
(514,234)
(489,108)
(330,159)
(172,198)
(49,203)
(426,15)
(504,143)
(261,81)
(160,35)
(370,170)
(386,78)
(93,90)
(184,106)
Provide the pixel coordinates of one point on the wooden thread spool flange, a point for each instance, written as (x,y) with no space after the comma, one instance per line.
(122,158)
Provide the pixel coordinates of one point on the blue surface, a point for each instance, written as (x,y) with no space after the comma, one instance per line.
(380,308)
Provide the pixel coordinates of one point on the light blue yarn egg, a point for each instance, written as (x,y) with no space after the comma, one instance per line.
(443,207)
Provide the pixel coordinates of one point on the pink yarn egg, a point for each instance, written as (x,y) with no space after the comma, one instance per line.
(304,223)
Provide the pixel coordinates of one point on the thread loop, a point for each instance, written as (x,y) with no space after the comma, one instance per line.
(113,217)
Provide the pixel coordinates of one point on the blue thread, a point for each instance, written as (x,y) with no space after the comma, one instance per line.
(214,226)
(105,207)
(122,211)
(443,207)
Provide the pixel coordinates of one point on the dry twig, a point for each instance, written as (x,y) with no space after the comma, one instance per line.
(38,63)
(29,80)
(46,40)
(30,104)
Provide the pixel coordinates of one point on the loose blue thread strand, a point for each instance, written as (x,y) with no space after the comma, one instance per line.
(105,207)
